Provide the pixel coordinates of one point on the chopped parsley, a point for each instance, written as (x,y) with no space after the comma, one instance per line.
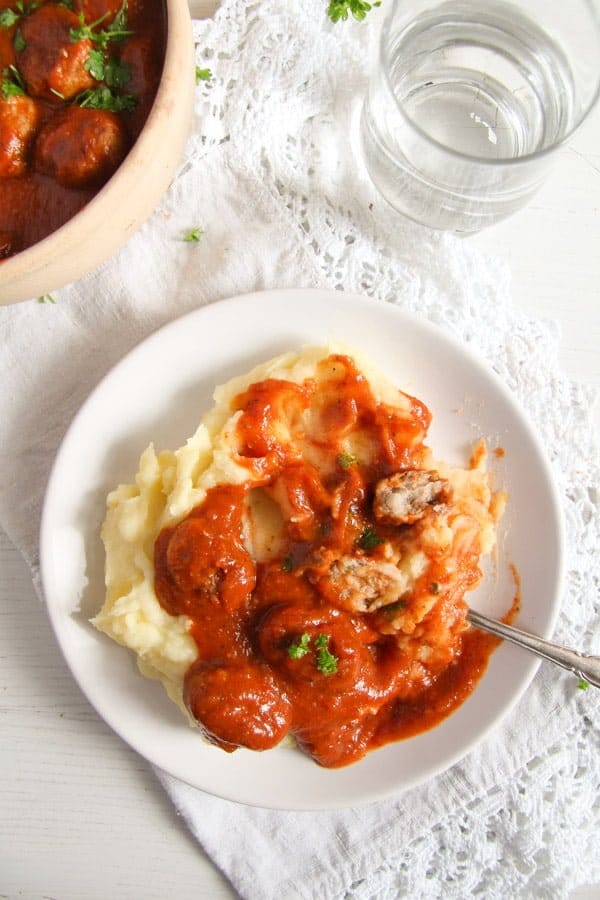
(202,74)
(103,98)
(94,64)
(297,651)
(116,74)
(390,611)
(327,663)
(19,41)
(8,17)
(194,235)
(116,31)
(369,539)
(339,9)
(46,298)
(345,460)
(582,684)
(287,564)
(12,84)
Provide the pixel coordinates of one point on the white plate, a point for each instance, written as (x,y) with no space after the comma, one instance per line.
(158,393)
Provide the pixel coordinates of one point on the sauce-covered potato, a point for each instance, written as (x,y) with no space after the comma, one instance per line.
(300,566)
(76,87)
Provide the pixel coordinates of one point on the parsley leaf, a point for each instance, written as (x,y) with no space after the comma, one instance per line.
(194,235)
(103,98)
(297,651)
(345,460)
(287,564)
(116,74)
(202,74)
(327,663)
(582,684)
(116,31)
(12,84)
(19,41)
(94,64)
(8,17)
(369,539)
(46,298)
(339,9)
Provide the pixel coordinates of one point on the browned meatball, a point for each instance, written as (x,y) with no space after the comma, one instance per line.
(52,65)
(19,119)
(8,244)
(7,51)
(81,147)
(140,56)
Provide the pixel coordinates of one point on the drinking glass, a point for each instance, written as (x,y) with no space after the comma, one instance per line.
(470,101)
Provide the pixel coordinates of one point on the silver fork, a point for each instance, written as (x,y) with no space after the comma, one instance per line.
(582,664)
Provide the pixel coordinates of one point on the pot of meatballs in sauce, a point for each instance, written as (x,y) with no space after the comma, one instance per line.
(95,106)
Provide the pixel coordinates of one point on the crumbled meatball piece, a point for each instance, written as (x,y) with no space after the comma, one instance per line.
(361,584)
(81,147)
(53,65)
(405,497)
(19,119)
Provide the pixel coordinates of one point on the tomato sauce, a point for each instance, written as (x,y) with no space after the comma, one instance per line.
(72,103)
(277,653)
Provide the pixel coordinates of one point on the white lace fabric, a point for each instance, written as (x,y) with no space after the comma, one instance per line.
(271,175)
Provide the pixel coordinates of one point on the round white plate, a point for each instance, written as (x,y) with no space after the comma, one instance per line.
(158,393)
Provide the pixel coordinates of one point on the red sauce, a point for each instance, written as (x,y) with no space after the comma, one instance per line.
(267,630)
(55,154)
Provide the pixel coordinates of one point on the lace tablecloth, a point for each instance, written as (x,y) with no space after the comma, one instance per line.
(271,176)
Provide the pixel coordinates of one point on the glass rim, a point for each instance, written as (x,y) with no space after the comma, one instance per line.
(501,161)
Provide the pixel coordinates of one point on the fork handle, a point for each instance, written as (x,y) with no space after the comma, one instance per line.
(585,666)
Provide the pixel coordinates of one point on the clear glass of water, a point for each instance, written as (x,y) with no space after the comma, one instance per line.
(470,101)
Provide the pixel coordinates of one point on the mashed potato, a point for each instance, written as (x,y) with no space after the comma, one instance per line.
(373,530)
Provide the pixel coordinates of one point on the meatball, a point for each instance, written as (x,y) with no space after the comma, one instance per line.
(52,65)
(405,497)
(81,147)
(144,62)
(19,119)
(358,583)
(8,244)
(7,50)
(238,705)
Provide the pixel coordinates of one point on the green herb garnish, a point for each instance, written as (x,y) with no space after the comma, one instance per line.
(116,74)
(345,460)
(46,298)
(202,74)
(194,235)
(287,564)
(391,609)
(103,98)
(19,41)
(116,31)
(327,663)
(94,64)
(582,684)
(8,17)
(339,9)
(12,84)
(297,651)
(369,539)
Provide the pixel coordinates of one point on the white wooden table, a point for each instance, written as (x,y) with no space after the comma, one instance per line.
(82,815)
